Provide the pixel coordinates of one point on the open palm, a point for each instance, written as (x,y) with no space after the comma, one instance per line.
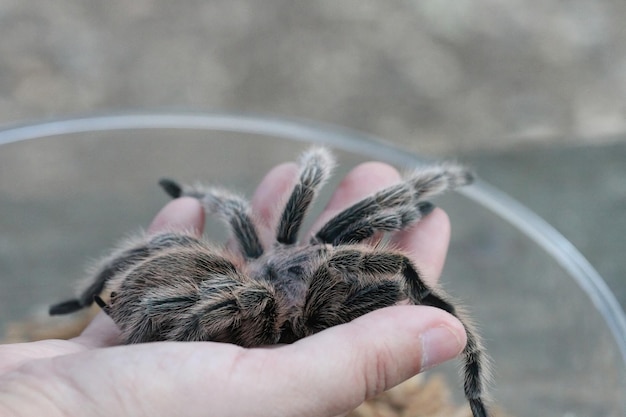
(326,374)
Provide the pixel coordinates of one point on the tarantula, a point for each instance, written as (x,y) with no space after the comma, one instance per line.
(174,286)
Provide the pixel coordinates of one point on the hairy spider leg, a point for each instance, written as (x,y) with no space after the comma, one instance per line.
(153,297)
(118,262)
(361,276)
(248,315)
(398,195)
(333,299)
(394,207)
(475,363)
(232,209)
(383,221)
(195,294)
(353,281)
(433,180)
(315,167)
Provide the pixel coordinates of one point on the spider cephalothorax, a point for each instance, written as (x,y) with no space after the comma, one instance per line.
(174,286)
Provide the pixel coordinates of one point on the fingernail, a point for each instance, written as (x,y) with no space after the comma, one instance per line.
(440,344)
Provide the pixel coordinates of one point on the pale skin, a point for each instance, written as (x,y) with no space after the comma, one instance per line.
(324,375)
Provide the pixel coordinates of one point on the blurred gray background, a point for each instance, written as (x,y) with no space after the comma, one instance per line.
(432,75)
(532,94)
(536,91)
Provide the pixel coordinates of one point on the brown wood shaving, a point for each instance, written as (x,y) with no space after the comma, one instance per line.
(41,326)
(420,396)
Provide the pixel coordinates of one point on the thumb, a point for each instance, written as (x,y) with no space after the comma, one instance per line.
(336,370)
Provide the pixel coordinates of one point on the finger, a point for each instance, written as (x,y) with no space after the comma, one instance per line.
(426,243)
(326,374)
(100,332)
(361,182)
(336,370)
(268,199)
(14,355)
(182,214)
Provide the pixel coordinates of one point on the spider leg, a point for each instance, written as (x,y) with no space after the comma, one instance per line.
(384,221)
(130,253)
(475,369)
(399,195)
(247,315)
(195,294)
(332,300)
(366,270)
(394,207)
(315,167)
(475,363)
(232,209)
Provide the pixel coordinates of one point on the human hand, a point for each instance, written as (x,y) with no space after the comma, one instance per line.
(326,374)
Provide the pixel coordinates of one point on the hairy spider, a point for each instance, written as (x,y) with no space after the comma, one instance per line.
(174,286)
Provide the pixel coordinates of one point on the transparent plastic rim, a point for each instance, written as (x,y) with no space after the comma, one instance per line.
(526,221)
